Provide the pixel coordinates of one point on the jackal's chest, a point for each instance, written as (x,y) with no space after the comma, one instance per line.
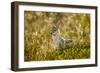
(56,41)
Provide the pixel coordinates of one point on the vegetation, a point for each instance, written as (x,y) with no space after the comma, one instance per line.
(38,41)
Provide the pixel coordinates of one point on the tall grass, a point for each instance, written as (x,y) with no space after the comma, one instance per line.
(38,41)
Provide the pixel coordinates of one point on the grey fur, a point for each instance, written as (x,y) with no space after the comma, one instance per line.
(58,41)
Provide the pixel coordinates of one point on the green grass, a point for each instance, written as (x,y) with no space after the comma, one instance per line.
(60,54)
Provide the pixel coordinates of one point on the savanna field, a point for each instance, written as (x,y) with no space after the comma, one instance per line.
(38,40)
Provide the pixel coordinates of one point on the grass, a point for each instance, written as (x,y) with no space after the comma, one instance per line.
(38,41)
(60,54)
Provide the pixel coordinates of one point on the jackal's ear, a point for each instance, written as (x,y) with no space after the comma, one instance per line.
(55,27)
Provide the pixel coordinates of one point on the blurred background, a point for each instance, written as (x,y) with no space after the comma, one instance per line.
(38,40)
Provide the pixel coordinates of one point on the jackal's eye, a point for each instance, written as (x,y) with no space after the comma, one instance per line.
(54,29)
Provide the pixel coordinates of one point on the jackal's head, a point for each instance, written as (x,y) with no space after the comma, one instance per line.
(55,30)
